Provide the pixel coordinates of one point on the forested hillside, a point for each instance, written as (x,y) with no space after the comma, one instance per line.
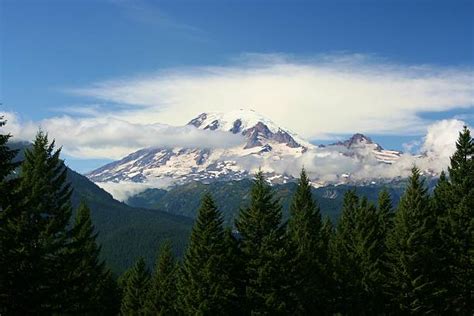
(124,232)
(231,196)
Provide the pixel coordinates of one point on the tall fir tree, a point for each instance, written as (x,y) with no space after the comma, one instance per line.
(344,263)
(37,228)
(92,278)
(304,232)
(369,246)
(268,289)
(385,211)
(454,199)
(162,295)
(327,235)
(7,166)
(358,249)
(206,287)
(7,193)
(135,291)
(385,226)
(412,252)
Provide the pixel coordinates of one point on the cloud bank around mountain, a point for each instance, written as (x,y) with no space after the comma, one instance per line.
(114,138)
(326,165)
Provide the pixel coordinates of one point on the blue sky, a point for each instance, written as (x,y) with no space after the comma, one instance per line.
(50,48)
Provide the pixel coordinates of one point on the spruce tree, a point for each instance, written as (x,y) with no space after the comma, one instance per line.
(162,295)
(369,246)
(7,166)
(263,246)
(206,287)
(412,251)
(456,197)
(385,211)
(385,227)
(304,232)
(327,235)
(36,274)
(7,193)
(86,268)
(345,266)
(136,289)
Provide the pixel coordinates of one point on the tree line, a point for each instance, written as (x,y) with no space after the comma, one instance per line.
(377,260)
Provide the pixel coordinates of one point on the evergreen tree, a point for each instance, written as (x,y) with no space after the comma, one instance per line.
(36,277)
(110,295)
(369,246)
(358,250)
(263,247)
(163,292)
(385,211)
(205,286)
(385,227)
(304,232)
(412,252)
(456,198)
(327,235)
(7,166)
(345,266)
(135,290)
(7,193)
(235,269)
(86,268)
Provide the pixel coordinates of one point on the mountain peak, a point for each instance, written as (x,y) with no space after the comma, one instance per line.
(256,128)
(358,140)
(233,121)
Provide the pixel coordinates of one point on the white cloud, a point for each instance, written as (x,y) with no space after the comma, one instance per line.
(123,190)
(114,138)
(325,95)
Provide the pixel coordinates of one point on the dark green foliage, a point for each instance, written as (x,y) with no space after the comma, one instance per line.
(7,166)
(308,244)
(93,282)
(385,211)
(206,287)
(342,254)
(358,250)
(266,259)
(162,295)
(126,232)
(234,195)
(454,202)
(8,189)
(36,253)
(413,252)
(135,291)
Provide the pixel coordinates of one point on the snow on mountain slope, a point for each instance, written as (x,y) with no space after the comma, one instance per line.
(276,151)
(250,124)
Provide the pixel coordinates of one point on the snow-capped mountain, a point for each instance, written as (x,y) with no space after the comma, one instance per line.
(266,146)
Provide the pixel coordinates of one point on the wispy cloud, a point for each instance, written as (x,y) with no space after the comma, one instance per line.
(314,97)
(150,14)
